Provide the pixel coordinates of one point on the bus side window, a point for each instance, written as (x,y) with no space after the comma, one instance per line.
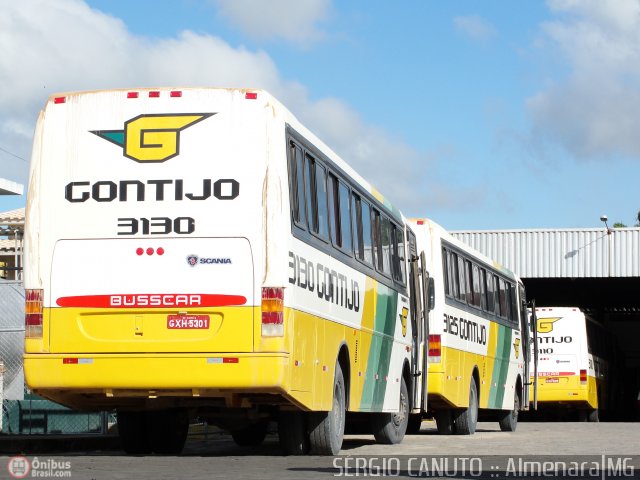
(321,214)
(497,294)
(367,233)
(491,289)
(386,243)
(513,299)
(344,206)
(476,284)
(296,173)
(334,214)
(399,272)
(469,282)
(483,289)
(445,271)
(462,282)
(503,299)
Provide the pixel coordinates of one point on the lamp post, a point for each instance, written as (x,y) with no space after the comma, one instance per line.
(604,218)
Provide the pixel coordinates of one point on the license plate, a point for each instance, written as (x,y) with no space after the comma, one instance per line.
(188,322)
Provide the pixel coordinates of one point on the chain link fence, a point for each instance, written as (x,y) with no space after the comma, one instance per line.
(23,412)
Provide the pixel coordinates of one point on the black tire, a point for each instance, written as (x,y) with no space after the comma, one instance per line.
(389,428)
(292,433)
(251,435)
(415,422)
(466,419)
(593,415)
(168,430)
(508,419)
(326,429)
(444,421)
(133,432)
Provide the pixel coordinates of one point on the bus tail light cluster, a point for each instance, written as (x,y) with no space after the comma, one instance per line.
(272,312)
(33,308)
(435,350)
(583,377)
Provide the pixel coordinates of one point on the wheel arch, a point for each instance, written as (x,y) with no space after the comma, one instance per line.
(343,360)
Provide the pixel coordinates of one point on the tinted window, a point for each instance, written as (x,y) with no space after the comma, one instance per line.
(296,170)
(322,218)
(334,214)
(344,206)
(398,255)
(475,285)
(366,233)
(386,244)
(445,271)
(462,282)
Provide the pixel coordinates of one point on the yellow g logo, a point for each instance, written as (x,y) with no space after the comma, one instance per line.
(403,320)
(516,347)
(545,325)
(153,137)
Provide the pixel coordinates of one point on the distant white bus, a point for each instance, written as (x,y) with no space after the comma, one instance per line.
(477,324)
(199,252)
(574,354)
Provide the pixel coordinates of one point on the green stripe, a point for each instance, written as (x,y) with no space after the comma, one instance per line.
(380,351)
(500,367)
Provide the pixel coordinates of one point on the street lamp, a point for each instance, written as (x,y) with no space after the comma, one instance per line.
(604,218)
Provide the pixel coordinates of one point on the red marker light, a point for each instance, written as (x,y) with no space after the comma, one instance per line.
(139,251)
(176,93)
(149,251)
(59,100)
(160,251)
(250,96)
(132,95)
(154,94)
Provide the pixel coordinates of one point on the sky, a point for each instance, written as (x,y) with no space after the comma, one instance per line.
(478,114)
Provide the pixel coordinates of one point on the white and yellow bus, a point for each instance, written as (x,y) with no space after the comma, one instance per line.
(200,252)
(574,353)
(478,356)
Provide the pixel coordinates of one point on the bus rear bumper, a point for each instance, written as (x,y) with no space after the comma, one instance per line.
(69,379)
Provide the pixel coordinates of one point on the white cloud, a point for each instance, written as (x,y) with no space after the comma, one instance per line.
(64,45)
(476,27)
(292,20)
(594,112)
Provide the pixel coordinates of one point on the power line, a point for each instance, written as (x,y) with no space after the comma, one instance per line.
(12,154)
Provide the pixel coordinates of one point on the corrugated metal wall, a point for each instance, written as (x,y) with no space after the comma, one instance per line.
(562,253)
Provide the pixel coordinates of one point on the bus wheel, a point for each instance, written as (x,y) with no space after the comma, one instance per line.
(444,421)
(168,430)
(326,429)
(133,432)
(251,435)
(467,418)
(589,415)
(292,433)
(389,428)
(415,422)
(509,418)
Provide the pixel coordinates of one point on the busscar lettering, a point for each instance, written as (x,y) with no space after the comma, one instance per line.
(465,329)
(159,300)
(328,284)
(151,190)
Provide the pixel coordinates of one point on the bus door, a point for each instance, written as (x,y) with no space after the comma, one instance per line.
(530,326)
(420,324)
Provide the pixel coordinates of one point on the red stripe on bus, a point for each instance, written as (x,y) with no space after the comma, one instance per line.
(152,300)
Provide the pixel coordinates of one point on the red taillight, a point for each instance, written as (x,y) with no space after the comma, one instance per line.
(59,100)
(154,94)
(435,348)
(132,95)
(175,93)
(272,312)
(583,376)
(250,96)
(33,313)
